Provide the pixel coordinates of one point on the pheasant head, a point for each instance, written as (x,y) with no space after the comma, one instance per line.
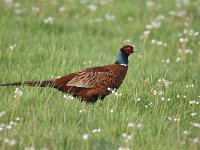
(125,51)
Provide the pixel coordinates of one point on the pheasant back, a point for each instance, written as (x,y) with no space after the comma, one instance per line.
(92,83)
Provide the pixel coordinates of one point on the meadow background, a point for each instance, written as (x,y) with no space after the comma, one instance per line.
(157,106)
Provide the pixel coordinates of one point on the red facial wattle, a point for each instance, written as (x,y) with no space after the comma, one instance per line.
(129,50)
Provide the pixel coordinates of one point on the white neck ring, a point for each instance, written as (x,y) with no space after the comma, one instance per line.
(125,65)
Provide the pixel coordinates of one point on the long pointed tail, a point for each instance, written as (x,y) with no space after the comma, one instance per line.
(45,83)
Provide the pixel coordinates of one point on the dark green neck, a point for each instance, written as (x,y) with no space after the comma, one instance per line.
(122,59)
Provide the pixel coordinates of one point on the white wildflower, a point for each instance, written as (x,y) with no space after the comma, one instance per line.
(176,119)
(96,130)
(49,20)
(44,148)
(178,59)
(9,127)
(18,93)
(61,9)
(196,125)
(193,114)
(129,137)
(18,11)
(160,17)
(146,33)
(124,148)
(124,135)
(82,110)
(69,97)
(12,142)
(17,4)
(166,61)
(180,13)
(12,46)
(110,17)
(92,7)
(193,102)
(195,140)
(131,125)
(29,148)
(183,40)
(138,99)
(85,136)
(169,118)
(6,140)
(161,93)
(154,92)
(186,132)
(139,125)
(196,33)
(159,43)
(8,2)
(11,123)
(1,128)
(153,41)
(17,118)
(2,113)
(130,18)
(165,82)
(180,50)
(127,41)
(188,51)
(134,125)
(150,4)
(35,9)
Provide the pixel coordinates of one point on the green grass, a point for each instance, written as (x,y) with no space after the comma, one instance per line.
(47,120)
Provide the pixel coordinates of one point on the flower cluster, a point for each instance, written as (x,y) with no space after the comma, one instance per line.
(8,127)
(178,13)
(10,142)
(164,82)
(134,125)
(173,119)
(194,102)
(154,24)
(49,20)
(18,93)
(94,131)
(114,91)
(12,47)
(68,97)
(158,43)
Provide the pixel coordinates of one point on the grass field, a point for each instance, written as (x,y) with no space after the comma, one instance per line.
(160,103)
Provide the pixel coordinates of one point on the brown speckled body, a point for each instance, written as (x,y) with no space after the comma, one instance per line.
(89,84)
(105,77)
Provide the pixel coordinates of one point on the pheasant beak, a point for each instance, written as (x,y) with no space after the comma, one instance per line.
(135,50)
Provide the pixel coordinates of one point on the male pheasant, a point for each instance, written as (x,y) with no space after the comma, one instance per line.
(89,84)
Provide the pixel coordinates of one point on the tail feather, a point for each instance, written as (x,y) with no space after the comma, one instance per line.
(45,83)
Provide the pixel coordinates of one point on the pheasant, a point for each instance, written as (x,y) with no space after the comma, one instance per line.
(89,84)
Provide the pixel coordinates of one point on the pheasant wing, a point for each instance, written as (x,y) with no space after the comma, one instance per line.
(87,79)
